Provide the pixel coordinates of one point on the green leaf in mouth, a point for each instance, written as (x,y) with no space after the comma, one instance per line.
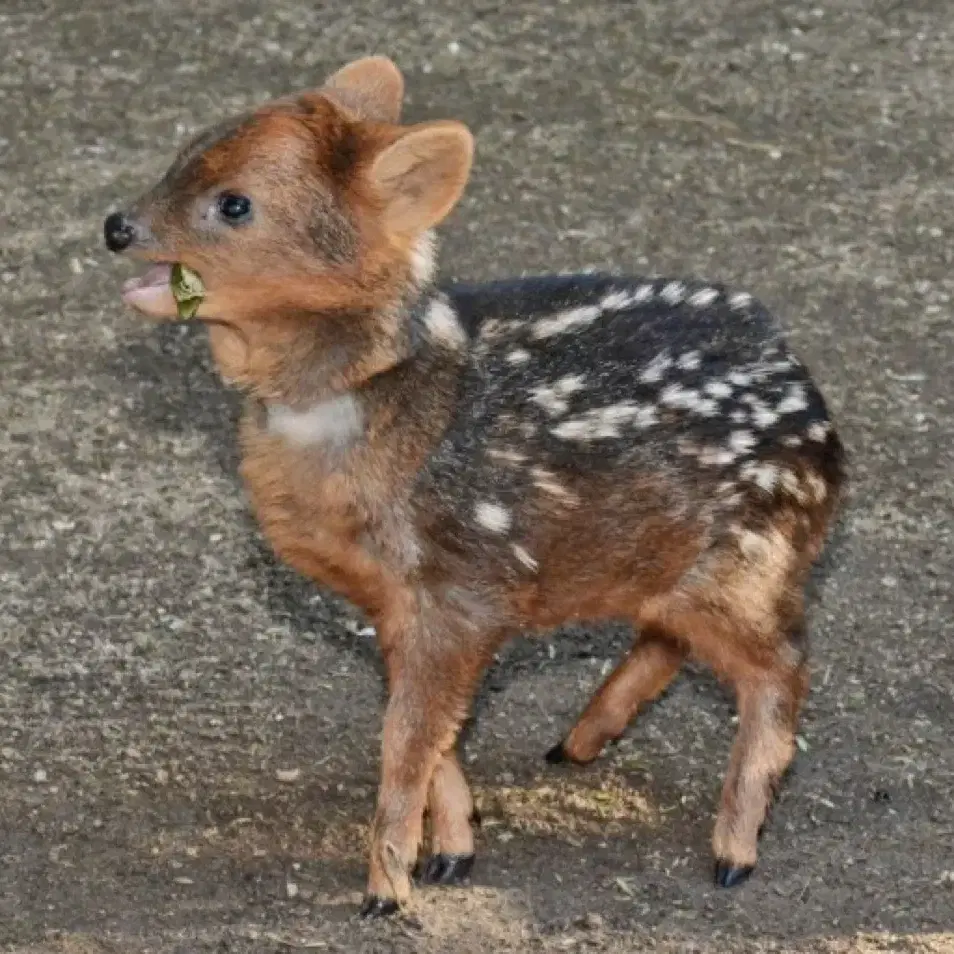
(187,289)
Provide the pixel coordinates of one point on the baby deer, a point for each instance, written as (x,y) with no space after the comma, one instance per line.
(465,463)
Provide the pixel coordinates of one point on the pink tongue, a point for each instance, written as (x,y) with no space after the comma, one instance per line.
(150,293)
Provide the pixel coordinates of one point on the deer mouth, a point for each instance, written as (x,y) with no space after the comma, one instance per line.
(151,292)
(165,289)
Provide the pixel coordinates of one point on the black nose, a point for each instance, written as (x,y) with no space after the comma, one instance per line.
(118,232)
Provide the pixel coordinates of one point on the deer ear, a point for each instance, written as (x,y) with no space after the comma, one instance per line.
(420,177)
(372,88)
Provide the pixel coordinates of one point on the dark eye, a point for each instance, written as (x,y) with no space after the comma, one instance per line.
(234,208)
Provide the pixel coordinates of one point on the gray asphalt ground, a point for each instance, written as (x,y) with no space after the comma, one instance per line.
(188,732)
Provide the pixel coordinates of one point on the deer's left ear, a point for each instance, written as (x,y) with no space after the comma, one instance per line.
(371,89)
(420,176)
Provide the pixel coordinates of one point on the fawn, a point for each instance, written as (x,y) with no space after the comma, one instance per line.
(470,462)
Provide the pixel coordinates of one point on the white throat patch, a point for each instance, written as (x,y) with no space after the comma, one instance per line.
(337,421)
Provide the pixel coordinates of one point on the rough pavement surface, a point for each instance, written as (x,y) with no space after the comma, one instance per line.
(188,732)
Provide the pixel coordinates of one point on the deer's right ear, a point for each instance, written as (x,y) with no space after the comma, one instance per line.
(421,175)
(371,88)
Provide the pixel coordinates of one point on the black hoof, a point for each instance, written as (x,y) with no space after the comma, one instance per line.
(375,907)
(728,875)
(447,869)
(557,755)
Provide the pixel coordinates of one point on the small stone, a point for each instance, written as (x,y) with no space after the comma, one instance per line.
(288,775)
(40,776)
(291,889)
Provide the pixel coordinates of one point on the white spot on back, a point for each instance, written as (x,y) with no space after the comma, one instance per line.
(525,557)
(582,429)
(763,476)
(716,457)
(674,292)
(656,369)
(492,517)
(569,384)
(742,441)
(643,293)
(738,417)
(791,485)
(689,399)
(518,356)
(718,389)
(605,422)
(675,395)
(689,361)
(818,431)
(549,400)
(764,417)
(507,454)
(336,421)
(617,301)
(626,412)
(565,321)
(792,440)
(490,329)
(794,400)
(739,378)
(553,397)
(706,407)
(783,364)
(443,326)
(493,329)
(703,297)
(548,483)
(740,300)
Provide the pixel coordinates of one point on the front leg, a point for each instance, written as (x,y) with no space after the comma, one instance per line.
(432,677)
(452,812)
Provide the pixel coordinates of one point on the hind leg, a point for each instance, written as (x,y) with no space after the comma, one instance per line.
(748,627)
(645,672)
(768,706)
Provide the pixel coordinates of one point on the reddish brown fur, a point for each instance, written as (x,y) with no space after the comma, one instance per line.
(294,319)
